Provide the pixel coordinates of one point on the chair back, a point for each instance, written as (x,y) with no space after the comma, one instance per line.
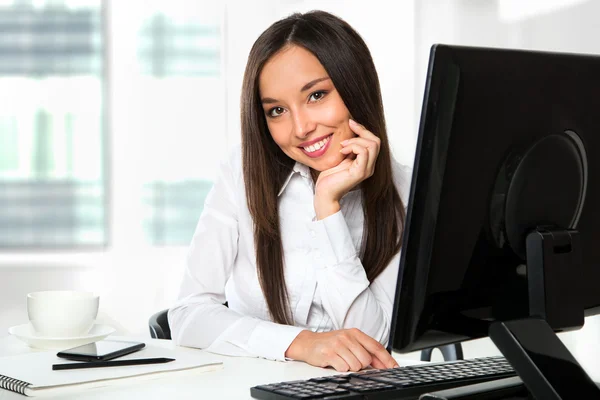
(159,325)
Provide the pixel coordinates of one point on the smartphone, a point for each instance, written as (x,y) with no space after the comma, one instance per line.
(101,350)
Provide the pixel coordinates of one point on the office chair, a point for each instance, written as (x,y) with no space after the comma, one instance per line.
(159,329)
(159,325)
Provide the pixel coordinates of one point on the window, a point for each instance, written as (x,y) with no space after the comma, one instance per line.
(52,181)
(112,120)
(179,55)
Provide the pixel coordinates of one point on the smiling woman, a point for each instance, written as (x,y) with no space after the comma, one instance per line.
(301,232)
(304,112)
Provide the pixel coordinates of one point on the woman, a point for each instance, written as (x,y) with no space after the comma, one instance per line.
(301,232)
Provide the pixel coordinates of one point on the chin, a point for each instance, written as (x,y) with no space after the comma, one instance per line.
(329,163)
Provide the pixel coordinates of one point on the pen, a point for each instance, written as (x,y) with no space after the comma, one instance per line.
(114,363)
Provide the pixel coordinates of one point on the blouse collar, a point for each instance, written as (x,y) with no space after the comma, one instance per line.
(299,168)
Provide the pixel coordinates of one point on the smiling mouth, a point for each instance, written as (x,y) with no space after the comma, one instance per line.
(318,145)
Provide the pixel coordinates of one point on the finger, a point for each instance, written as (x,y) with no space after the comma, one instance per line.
(361,163)
(376,349)
(384,360)
(342,166)
(365,142)
(360,130)
(354,148)
(372,147)
(338,363)
(349,155)
(377,363)
(354,364)
(363,356)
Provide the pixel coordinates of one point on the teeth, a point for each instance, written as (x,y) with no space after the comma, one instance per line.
(317,146)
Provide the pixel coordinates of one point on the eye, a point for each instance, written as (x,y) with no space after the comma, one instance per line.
(276,111)
(318,95)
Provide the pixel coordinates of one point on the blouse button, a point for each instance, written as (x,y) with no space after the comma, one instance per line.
(313,233)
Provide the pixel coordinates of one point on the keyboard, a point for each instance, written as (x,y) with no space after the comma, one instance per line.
(394,383)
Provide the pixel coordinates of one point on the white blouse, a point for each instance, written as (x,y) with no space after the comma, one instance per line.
(327,286)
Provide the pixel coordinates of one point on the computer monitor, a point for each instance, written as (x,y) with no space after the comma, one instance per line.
(503,220)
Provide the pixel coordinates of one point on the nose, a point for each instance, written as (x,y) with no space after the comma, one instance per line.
(302,124)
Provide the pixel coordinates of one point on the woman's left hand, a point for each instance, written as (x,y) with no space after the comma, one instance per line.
(361,153)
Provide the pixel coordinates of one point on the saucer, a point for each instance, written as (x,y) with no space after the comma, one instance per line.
(26,333)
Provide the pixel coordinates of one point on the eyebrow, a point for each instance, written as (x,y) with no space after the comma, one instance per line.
(269,100)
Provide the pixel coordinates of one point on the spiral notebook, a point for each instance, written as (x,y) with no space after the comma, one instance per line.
(31,374)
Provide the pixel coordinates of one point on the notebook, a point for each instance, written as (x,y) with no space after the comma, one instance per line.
(31,374)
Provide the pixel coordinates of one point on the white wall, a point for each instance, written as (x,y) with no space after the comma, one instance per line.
(572,27)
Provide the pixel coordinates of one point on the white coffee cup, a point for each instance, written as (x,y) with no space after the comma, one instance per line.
(62,313)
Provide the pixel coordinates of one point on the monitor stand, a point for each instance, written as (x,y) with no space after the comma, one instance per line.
(544,364)
(541,360)
(450,352)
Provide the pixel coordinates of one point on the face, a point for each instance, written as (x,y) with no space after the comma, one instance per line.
(305,114)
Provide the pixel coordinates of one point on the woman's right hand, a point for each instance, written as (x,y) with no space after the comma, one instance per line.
(344,349)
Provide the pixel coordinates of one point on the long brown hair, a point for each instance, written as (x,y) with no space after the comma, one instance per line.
(348,62)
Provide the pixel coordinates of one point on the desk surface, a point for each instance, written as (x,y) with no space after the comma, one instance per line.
(232,382)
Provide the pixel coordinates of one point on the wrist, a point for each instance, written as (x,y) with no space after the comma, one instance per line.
(297,348)
(324,209)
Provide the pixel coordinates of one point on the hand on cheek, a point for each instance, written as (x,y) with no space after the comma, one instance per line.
(359,164)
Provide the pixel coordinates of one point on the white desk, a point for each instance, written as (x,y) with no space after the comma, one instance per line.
(232,382)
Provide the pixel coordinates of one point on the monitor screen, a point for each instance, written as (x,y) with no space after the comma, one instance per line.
(508,152)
